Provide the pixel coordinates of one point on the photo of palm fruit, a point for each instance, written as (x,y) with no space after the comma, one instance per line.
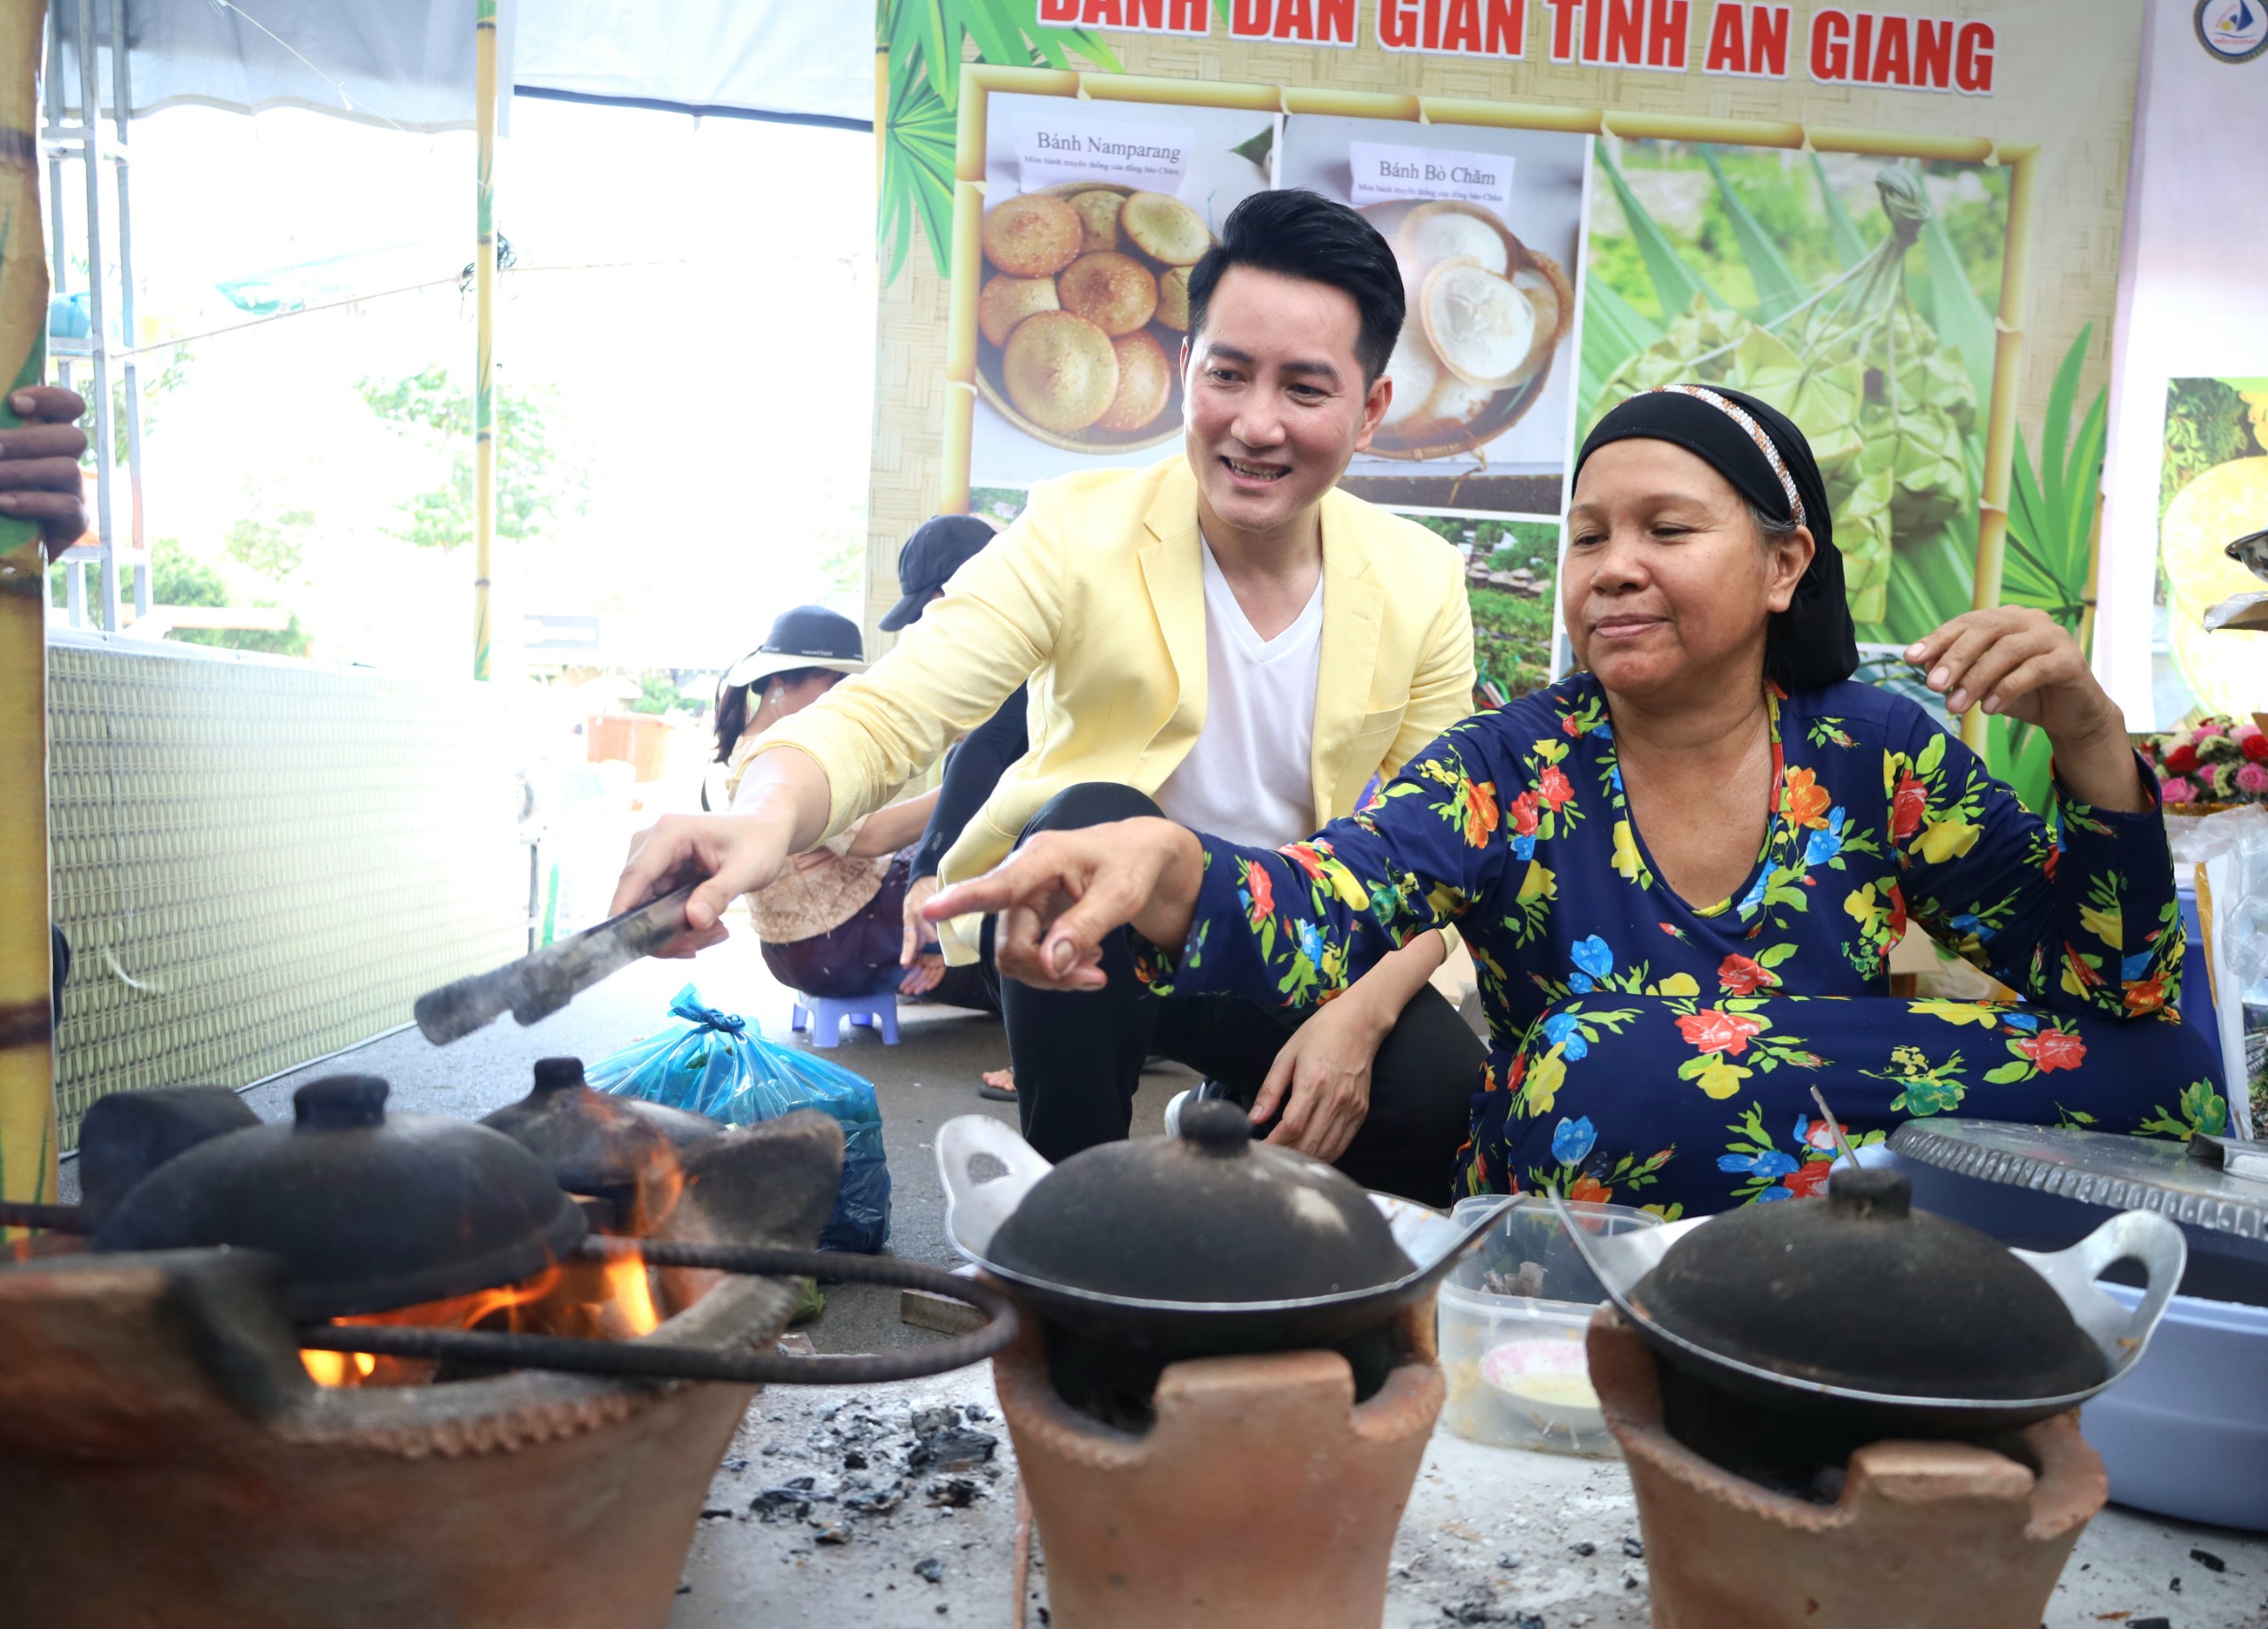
(1854,295)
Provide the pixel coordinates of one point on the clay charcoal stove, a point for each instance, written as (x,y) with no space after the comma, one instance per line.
(329,1369)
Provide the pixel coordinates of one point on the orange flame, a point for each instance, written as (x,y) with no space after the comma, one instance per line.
(632,1293)
(611,1299)
(608,1299)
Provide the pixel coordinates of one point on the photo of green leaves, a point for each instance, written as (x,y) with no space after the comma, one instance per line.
(1856,295)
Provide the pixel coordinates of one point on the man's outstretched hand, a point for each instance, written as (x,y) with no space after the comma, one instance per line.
(1063,893)
(736,854)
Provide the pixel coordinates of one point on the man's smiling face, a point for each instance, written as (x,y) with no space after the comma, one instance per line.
(1275,402)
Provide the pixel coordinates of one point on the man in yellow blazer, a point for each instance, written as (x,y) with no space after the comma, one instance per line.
(1224,637)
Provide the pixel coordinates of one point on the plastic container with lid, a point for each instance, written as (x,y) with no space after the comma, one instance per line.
(1512,1317)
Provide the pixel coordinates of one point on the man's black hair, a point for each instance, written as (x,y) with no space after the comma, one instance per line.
(1296,233)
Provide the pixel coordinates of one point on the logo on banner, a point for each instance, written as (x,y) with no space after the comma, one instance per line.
(2233,30)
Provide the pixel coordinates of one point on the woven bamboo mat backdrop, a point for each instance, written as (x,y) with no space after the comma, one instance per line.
(258,861)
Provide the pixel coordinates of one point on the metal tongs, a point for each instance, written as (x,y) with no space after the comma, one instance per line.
(536,986)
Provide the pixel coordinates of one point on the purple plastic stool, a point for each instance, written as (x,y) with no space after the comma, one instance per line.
(823,1015)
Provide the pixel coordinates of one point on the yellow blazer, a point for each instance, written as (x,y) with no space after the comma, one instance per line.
(1096,596)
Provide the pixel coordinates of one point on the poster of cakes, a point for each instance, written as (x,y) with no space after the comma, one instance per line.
(1093,214)
(1488,224)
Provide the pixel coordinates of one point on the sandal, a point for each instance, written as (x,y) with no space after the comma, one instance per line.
(998,1085)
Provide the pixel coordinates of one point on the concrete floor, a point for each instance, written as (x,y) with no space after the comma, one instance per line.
(1491,1536)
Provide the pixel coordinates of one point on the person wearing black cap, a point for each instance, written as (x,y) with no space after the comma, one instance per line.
(829,924)
(1662,862)
(809,651)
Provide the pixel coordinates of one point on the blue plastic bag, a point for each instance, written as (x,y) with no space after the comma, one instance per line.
(718,1064)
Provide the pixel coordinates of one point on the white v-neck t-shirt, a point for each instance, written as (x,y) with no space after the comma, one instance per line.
(1247,777)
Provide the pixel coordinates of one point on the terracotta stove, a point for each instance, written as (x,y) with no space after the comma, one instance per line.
(1973,1533)
(1260,1495)
(167,1456)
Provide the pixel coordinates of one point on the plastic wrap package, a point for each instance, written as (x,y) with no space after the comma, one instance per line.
(2223,859)
(720,1064)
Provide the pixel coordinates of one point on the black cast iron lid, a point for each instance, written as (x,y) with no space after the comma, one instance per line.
(591,1140)
(367,1212)
(1864,1293)
(1209,1215)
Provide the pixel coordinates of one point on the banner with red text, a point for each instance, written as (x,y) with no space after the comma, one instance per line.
(1900,226)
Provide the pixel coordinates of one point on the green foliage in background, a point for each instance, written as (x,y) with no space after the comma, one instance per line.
(276,549)
(534,486)
(1851,353)
(663,693)
(1511,632)
(1875,333)
(923,44)
(176,577)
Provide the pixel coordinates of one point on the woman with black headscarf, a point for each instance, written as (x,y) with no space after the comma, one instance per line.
(1662,862)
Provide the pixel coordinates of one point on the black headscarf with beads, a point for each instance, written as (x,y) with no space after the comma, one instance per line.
(1759,450)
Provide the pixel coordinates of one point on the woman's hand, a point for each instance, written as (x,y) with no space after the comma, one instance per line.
(2020,662)
(918,894)
(927,973)
(925,969)
(1062,893)
(40,480)
(1325,1066)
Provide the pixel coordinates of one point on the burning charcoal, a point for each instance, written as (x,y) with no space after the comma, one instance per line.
(1586,1549)
(955,1492)
(852,1460)
(1508,1560)
(930,1569)
(803,1483)
(1634,1548)
(929,1422)
(736,1463)
(2209,1561)
(774,1502)
(1527,1620)
(975,1412)
(837,1534)
(713,1514)
(2149,1623)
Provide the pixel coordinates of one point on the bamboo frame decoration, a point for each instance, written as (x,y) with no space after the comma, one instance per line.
(979,81)
(483,284)
(27,1146)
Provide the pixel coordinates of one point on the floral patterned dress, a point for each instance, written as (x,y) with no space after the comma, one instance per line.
(1654,1053)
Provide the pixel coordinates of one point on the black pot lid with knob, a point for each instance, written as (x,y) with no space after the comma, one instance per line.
(592,1140)
(368,1211)
(1863,1293)
(1208,1216)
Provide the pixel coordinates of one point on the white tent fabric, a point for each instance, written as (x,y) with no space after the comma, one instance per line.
(408,63)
